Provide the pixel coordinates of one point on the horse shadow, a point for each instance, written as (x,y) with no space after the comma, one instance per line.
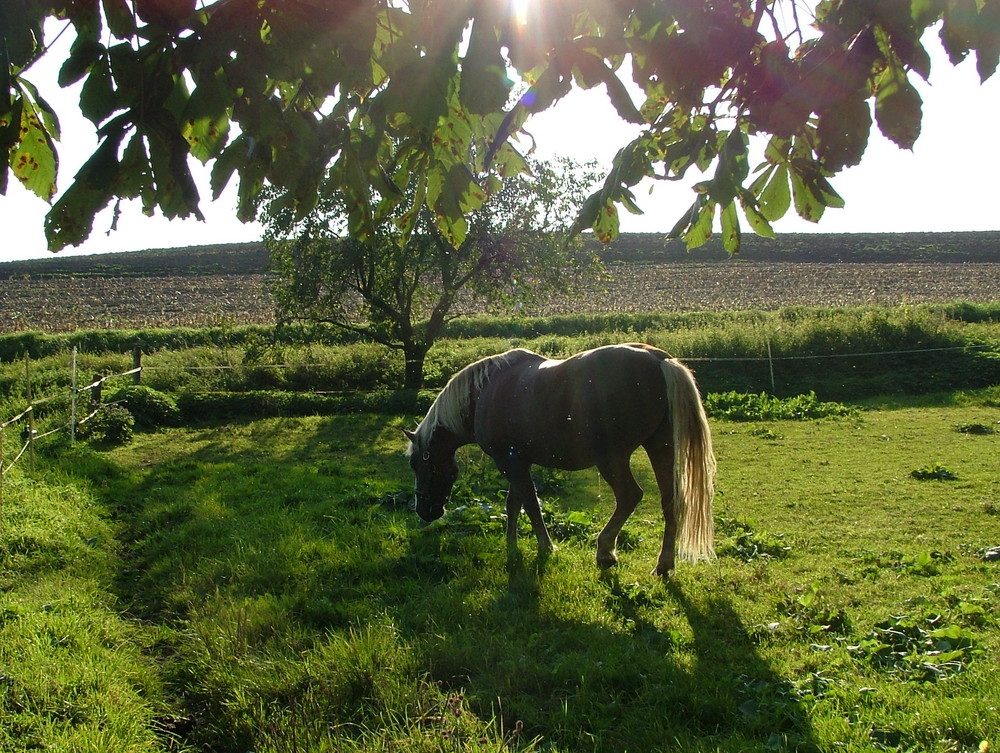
(618,680)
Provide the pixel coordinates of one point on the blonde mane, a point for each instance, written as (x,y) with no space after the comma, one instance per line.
(451,409)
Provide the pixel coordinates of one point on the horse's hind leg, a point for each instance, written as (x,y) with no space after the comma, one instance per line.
(661,457)
(627,492)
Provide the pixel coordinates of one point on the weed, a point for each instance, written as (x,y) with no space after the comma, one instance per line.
(922,648)
(744,543)
(735,406)
(813,617)
(974,428)
(935,472)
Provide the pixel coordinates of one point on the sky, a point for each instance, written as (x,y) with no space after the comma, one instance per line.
(947,183)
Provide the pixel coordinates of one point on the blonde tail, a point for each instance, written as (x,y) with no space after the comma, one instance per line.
(694,464)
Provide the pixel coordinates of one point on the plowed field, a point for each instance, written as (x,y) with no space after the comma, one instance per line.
(58,305)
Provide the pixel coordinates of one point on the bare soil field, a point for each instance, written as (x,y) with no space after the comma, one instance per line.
(116,302)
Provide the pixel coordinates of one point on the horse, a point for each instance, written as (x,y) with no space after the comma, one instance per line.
(595,408)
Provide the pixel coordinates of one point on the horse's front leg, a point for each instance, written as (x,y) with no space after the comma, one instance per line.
(522,494)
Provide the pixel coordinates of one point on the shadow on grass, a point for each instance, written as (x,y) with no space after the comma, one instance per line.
(254,545)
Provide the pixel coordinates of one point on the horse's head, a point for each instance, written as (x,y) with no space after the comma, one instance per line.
(436,470)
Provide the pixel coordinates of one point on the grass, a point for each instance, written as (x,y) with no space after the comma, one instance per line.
(905,350)
(74,675)
(262,585)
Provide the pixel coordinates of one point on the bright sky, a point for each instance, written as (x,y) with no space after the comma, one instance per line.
(947,183)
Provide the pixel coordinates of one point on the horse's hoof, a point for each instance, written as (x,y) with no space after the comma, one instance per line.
(607,560)
(662,572)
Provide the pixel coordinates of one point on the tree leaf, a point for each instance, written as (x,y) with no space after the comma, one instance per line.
(842,134)
(758,223)
(701,229)
(484,86)
(97,96)
(897,107)
(731,228)
(776,198)
(120,19)
(807,204)
(988,40)
(83,54)
(33,160)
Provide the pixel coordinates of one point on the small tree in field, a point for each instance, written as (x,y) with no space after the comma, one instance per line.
(401,285)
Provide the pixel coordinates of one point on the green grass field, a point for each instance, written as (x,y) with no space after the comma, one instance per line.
(261,585)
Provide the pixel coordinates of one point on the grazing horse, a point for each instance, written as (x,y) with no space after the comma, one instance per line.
(593,409)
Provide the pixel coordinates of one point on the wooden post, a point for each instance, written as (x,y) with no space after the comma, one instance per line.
(1,475)
(30,424)
(72,399)
(770,363)
(95,392)
(137,364)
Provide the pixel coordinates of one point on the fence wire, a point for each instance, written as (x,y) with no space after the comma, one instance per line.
(30,436)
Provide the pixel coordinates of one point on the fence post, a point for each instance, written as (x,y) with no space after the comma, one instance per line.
(72,399)
(137,364)
(770,364)
(95,392)
(30,433)
(1,475)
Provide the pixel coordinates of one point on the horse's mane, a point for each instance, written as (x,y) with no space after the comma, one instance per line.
(452,406)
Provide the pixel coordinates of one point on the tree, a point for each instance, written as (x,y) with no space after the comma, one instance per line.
(401,284)
(428,93)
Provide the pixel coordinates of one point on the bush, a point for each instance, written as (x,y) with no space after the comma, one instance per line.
(150,408)
(112,424)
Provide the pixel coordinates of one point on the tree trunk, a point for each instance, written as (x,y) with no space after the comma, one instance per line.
(413,372)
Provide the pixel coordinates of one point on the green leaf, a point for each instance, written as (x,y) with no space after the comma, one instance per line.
(71,219)
(807,204)
(701,228)
(988,40)
(897,107)
(484,86)
(607,224)
(622,100)
(587,216)
(757,187)
(97,96)
(232,158)
(758,223)
(120,19)
(732,169)
(206,117)
(731,228)
(83,54)
(842,134)
(33,160)
(776,198)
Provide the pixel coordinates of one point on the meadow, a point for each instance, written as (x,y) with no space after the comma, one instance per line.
(246,573)
(262,585)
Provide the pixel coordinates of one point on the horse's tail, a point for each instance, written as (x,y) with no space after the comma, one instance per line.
(694,464)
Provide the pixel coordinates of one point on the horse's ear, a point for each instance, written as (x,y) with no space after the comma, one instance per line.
(410,435)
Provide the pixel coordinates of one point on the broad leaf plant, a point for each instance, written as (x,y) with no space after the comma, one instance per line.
(371,98)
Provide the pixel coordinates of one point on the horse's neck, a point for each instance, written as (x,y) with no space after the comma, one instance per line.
(446,440)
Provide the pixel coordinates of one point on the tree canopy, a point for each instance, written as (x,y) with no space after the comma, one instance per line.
(369,97)
(401,285)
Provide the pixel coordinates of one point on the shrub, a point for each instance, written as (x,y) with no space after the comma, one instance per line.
(112,424)
(150,408)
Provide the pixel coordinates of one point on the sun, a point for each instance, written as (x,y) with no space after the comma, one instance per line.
(522,9)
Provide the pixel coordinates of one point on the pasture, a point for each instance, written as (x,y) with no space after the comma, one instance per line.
(254,579)
(262,585)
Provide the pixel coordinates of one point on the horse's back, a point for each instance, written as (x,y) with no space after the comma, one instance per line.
(570,412)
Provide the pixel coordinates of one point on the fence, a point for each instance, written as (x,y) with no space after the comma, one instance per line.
(28,435)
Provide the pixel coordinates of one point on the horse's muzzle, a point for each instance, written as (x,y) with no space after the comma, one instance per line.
(427,510)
